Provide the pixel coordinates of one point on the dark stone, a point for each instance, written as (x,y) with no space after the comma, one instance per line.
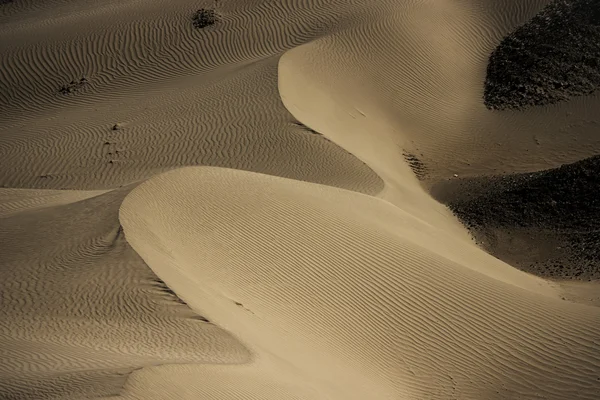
(554,214)
(552,58)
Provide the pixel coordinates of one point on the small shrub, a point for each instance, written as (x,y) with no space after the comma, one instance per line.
(73,86)
(205,17)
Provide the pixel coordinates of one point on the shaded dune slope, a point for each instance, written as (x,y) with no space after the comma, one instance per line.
(546,222)
(80,309)
(181,96)
(356,293)
(551,58)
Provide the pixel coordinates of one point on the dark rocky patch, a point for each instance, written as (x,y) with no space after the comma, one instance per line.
(205,17)
(417,166)
(73,86)
(553,57)
(547,222)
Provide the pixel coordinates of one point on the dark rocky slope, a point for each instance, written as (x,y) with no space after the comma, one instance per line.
(547,223)
(551,58)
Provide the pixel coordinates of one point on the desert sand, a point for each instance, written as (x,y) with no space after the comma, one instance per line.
(299,199)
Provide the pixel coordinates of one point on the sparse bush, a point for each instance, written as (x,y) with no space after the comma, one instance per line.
(205,17)
(73,86)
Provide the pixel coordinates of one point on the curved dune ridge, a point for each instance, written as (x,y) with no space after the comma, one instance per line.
(80,309)
(426,95)
(182,96)
(340,290)
(299,255)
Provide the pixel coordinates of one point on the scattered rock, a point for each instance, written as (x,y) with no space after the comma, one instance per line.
(73,86)
(552,58)
(307,129)
(547,223)
(417,166)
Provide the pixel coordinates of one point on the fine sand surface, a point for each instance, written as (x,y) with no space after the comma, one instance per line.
(246,210)
(357,304)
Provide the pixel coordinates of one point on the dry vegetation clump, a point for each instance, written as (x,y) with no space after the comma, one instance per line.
(205,17)
(73,86)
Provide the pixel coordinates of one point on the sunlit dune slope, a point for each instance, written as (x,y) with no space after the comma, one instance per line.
(355,297)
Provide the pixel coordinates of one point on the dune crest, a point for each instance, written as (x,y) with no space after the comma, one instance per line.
(339,289)
(80,309)
(301,255)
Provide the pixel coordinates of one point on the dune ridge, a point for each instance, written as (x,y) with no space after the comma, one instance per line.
(80,310)
(183,96)
(298,254)
(322,285)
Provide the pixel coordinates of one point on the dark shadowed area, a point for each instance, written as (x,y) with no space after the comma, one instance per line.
(546,223)
(553,57)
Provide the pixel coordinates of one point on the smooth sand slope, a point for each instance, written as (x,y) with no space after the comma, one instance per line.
(301,255)
(346,293)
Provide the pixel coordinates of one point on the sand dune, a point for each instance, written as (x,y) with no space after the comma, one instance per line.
(80,309)
(183,96)
(425,96)
(300,255)
(352,301)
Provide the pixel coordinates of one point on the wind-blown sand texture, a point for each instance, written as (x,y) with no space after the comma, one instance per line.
(235,200)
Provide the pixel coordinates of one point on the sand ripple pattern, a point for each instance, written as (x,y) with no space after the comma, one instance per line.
(273,273)
(80,310)
(287,265)
(183,96)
